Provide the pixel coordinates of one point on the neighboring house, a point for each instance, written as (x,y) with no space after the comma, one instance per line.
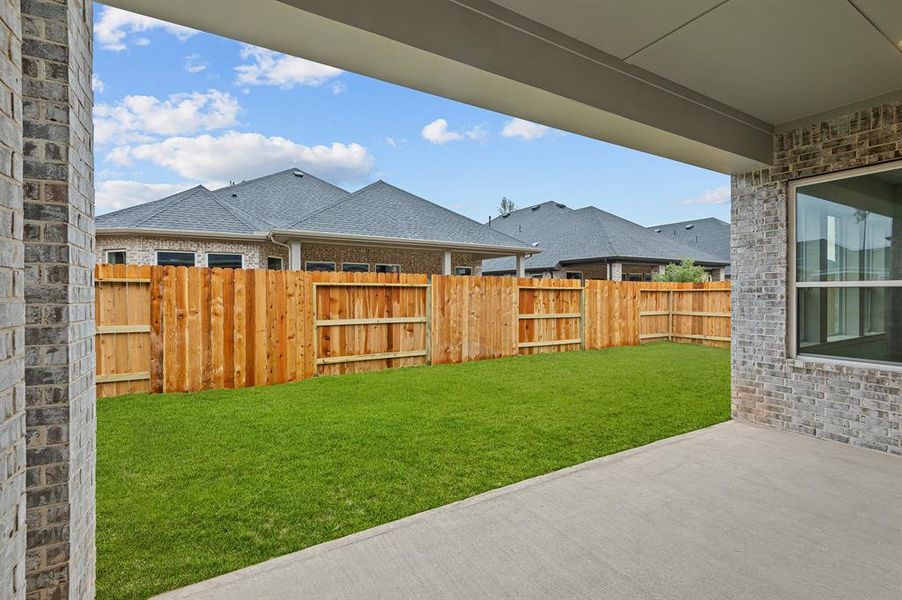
(589,243)
(293,220)
(709,235)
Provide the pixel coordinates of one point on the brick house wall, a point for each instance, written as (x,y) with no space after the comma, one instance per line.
(859,405)
(411,260)
(59,293)
(142,251)
(12,311)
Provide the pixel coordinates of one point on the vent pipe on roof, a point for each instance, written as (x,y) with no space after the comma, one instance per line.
(298,173)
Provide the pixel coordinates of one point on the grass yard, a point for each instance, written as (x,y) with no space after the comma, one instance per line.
(195,485)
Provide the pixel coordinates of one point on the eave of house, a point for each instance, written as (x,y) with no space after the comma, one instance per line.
(285,236)
(367,240)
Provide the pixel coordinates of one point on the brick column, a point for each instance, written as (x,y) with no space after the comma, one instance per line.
(12,311)
(59,259)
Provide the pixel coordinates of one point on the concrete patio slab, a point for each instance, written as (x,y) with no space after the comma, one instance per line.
(731,511)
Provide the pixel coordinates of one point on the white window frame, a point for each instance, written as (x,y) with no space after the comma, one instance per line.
(281,262)
(207,256)
(377,265)
(367,265)
(793,286)
(456,267)
(157,255)
(307,263)
(106,258)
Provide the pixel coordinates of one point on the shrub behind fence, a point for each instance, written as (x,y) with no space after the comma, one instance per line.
(168,329)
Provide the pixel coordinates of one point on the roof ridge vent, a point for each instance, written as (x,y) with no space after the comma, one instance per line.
(559,205)
(690,225)
(297,173)
(536,207)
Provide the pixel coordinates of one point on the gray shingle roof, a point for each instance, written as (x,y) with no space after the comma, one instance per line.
(567,235)
(709,235)
(282,198)
(192,210)
(383,210)
(294,200)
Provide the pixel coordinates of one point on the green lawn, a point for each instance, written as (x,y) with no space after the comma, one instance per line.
(195,485)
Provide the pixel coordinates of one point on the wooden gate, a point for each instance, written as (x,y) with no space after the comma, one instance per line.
(371,323)
(551,317)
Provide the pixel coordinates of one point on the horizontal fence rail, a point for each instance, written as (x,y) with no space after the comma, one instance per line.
(184,329)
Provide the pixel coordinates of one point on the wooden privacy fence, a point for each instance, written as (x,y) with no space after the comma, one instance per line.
(169,329)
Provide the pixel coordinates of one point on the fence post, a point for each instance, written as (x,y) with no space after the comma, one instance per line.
(582,317)
(429,322)
(670,316)
(315,330)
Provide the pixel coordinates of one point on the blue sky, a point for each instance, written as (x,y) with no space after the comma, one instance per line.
(174,108)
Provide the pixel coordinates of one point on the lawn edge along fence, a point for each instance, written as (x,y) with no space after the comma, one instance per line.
(182,329)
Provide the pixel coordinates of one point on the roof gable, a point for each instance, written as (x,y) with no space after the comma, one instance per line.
(192,210)
(383,210)
(282,198)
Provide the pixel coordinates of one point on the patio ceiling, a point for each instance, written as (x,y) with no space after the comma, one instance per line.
(700,81)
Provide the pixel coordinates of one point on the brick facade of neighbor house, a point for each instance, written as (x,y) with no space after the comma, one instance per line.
(411,260)
(59,292)
(12,311)
(858,405)
(142,250)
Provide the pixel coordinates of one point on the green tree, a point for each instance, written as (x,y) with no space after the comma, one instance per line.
(507,206)
(685,272)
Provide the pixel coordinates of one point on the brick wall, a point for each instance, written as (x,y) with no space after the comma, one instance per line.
(142,250)
(857,405)
(12,310)
(59,259)
(411,260)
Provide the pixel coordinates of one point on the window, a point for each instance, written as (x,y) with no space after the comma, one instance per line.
(847,250)
(463,270)
(574,275)
(175,259)
(274,263)
(380,268)
(115,257)
(355,267)
(225,261)
(319,266)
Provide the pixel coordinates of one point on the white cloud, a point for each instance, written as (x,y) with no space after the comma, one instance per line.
(235,156)
(120,155)
(116,194)
(277,69)
(526,130)
(438,132)
(718,195)
(195,63)
(97,83)
(135,118)
(115,25)
(338,87)
(395,143)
